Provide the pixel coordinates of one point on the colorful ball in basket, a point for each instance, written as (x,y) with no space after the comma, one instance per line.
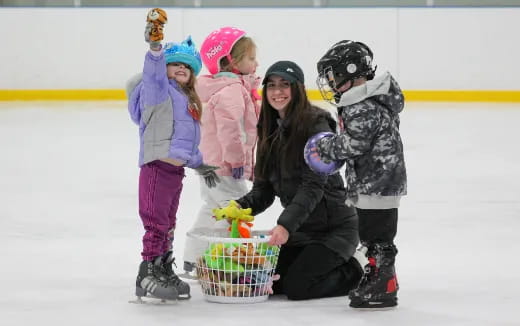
(313,159)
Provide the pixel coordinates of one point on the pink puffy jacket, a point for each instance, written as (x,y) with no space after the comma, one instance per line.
(229,119)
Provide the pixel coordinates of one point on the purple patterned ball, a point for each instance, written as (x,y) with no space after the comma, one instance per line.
(313,159)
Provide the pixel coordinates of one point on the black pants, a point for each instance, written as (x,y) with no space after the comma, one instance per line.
(314,271)
(377,225)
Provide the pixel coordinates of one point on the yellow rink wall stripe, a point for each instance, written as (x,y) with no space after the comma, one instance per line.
(119,94)
(449,96)
(463,96)
(62,94)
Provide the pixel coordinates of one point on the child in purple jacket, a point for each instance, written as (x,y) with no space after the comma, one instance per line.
(163,102)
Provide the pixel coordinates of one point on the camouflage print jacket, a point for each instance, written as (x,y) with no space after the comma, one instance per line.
(370,143)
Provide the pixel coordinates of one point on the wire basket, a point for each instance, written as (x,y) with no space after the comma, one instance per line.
(235,270)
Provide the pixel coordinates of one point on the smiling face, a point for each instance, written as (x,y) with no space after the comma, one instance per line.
(278,93)
(178,71)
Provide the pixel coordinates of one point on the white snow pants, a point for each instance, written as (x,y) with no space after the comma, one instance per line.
(227,189)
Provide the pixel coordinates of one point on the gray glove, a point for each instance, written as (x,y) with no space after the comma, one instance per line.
(148,32)
(209,175)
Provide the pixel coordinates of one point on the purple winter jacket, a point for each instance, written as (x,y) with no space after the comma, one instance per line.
(160,108)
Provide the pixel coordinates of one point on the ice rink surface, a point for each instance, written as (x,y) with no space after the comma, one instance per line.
(70,236)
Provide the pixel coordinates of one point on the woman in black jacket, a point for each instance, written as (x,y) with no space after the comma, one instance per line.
(317,231)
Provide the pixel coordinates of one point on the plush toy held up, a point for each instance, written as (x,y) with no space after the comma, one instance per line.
(157,15)
(155,19)
(240,219)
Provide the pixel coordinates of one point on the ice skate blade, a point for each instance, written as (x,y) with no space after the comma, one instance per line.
(184,297)
(152,301)
(374,306)
(188,276)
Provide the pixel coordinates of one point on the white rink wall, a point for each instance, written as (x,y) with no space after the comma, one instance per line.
(425,48)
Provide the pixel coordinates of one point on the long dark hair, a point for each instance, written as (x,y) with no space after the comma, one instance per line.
(189,90)
(290,138)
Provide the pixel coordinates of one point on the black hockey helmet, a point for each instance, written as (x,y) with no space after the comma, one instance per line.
(343,62)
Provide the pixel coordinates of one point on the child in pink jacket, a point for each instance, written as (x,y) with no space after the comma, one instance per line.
(228,125)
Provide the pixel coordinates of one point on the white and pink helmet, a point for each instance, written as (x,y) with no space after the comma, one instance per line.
(218,45)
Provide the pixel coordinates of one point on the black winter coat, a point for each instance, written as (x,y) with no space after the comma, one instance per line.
(314,205)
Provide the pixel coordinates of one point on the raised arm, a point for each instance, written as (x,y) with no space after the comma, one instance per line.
(155,79)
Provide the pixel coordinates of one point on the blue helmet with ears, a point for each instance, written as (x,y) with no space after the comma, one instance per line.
(184,52)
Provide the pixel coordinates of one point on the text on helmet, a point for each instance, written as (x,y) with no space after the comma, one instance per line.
(213,51)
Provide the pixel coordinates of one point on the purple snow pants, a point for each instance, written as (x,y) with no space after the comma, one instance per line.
(160,186)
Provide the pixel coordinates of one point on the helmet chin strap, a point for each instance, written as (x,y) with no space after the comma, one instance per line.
(337,94)
(337,97)
(233,69)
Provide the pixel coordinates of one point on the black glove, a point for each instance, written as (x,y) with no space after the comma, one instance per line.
(209,175)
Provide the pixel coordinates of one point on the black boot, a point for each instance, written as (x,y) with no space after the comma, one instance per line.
(152,281)
(182,287)
(378,288)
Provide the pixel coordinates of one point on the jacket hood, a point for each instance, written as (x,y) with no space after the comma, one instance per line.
(132,83)
(384,89)
(133,94)
(207,85)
